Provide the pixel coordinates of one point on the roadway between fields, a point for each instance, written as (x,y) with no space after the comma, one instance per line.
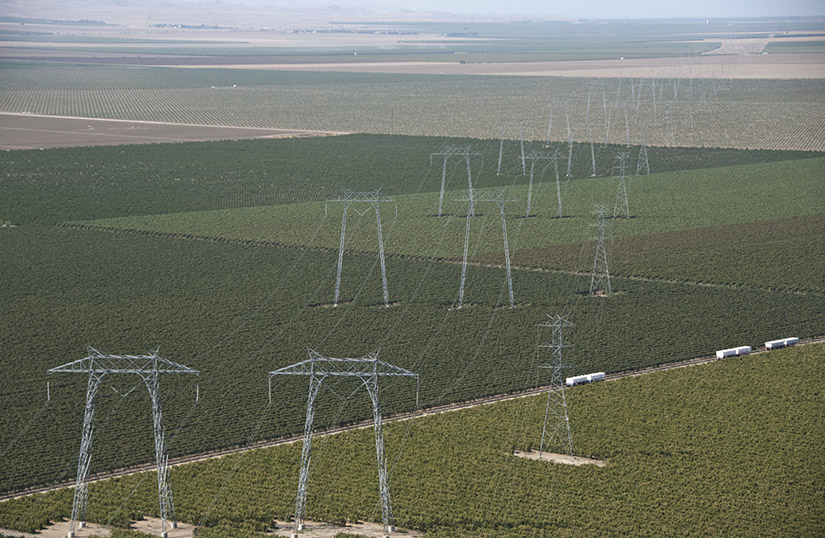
(401,417)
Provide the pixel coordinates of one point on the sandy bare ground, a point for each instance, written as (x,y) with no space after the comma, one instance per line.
(30,131)
(559,458)
(326,530)
(754,66)
(149,525)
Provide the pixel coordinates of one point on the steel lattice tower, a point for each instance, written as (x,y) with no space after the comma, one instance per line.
(533,157)
(642,165)
(374,199)
(555,413)
(455,151)
(149,368)
(600,279)
(500,200)
(506,128)
(570,132)
(621,205)
(367,370)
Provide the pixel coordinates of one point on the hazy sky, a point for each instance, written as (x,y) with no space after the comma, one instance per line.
(618,8)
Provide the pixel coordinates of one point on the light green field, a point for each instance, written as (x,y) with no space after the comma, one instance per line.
(731,448)
(659,203)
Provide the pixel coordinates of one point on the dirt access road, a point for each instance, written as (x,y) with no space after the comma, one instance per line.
(31,131)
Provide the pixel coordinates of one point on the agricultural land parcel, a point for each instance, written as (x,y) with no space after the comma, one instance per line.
(243,300)
(240,301)
(779,114)
(686,450)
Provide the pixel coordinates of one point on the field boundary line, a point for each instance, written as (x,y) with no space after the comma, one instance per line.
(399,417)
(449,261)
(149,122)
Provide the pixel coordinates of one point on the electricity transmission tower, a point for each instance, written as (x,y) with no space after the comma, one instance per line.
(505,129)
(556,411)
(570,132)
(642,165)
(592,153)
(600,278)
(367,370)
(533,157)
(149,368)
(374,199)
(455,151)
(500,200)
(621,205)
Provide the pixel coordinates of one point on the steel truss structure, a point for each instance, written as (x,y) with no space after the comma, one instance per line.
(600,279)
(621,207)
(149,368)
(374,199)
(455,151)
(500,200)
(533,157)
(556,411)
(642,164)
(505,129)
(367,370)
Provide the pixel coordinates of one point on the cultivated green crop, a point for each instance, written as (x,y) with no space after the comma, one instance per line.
(718,449)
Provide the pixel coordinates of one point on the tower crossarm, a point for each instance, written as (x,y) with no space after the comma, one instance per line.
(103,363)
(372,197)
(368,365)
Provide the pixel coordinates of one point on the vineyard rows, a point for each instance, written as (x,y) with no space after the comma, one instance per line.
(454,474)
(701,112)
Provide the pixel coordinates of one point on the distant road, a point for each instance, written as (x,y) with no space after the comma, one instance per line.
(35,131)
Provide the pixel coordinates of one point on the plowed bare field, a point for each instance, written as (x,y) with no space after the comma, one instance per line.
(29,131)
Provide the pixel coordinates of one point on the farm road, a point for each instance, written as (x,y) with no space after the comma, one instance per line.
(33,131)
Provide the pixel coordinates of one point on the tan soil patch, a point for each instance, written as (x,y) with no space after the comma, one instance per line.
(61,530)
(32,131)
(559,458)
(754,66)
(326,530)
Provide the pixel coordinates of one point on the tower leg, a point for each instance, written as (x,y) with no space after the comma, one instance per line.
(506,255)
(381,255)
(340,256)
(383,482)
(443,181)
(471,210)
(530,187)
(306,451)
(81,492)
(464,263)
(167,506)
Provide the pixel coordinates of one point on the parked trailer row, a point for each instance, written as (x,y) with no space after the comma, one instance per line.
(587,378)
(733,352)
(782,342)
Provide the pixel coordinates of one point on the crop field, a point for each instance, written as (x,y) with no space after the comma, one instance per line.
(664,202)
(686,453)
(228,255)
(673,111)
(192,247)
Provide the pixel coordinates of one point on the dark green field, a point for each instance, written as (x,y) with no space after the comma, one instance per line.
(236,309)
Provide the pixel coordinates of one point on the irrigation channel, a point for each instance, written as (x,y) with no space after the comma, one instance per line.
(400,417)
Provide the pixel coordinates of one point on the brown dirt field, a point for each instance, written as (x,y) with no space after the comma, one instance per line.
(754,66)
(559,458)
(326,530)
(149,525)
(30,131)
